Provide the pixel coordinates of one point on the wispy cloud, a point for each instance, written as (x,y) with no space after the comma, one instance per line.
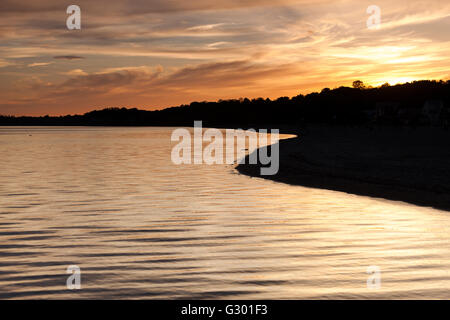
(68,57)
(39,64)
(4,63)
(75,72)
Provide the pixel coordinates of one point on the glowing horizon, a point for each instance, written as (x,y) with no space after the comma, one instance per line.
(157,54)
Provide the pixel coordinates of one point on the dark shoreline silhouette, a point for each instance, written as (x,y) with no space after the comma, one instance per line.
(413,104)
(376,163)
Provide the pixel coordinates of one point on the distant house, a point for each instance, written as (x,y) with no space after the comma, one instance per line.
(445,117)
(432,111)
(386,111)
(370,114)
(409,116)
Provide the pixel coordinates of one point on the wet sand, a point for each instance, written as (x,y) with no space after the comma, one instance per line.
(402,164)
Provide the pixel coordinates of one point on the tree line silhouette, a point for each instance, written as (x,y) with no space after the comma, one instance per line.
(393,105)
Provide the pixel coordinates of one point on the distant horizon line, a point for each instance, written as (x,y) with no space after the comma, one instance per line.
(369,87)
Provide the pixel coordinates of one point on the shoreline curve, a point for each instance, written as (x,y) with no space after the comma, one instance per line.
(396,164)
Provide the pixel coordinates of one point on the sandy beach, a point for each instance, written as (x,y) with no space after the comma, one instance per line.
(402,164)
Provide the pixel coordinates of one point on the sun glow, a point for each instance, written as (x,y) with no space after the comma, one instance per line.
(393,81)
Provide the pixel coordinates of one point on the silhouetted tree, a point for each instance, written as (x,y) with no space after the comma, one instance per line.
(358,84)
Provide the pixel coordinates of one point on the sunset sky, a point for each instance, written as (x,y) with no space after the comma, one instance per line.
(152,54)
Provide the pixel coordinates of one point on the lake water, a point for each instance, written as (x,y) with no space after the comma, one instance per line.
(110,201)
